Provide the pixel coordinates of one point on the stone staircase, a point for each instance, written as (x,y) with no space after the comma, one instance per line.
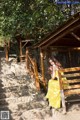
(12,96)
(18,93)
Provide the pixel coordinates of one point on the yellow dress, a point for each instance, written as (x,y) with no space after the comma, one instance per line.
(53,93)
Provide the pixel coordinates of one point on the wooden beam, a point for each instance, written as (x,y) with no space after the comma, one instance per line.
(72,92)
(75,36)
(42,66)
(7,53)
(74,48)
(24,44)
(27,40)
(53,39)
(62,92)
(63,49)
(64,38)
(70,61)
(36,75)
(70,69)
(76,27)
(60,30)
(74,81)
(73,87)
(20,50)
(27,62)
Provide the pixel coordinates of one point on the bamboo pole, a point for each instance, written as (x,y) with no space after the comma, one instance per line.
(36,76)
(42,66)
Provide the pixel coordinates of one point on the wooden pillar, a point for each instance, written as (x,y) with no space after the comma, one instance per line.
(20,50)
(62,92)
(42,66)
(27,62)
(70,58)
(8,45)
(36,76)
(6,51)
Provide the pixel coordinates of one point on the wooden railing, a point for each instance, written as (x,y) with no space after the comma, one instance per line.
(72,76)
(31,67)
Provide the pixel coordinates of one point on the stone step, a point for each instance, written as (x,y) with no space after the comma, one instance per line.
(9,84)
(17,100)
(13,86)
(13,113)
(14,93)
(5,84)
(13,107)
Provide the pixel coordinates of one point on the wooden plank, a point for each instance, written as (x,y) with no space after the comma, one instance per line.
(70,69)
(75,100)
(73,86)
(75,48)
(73,81)
(31,60)
(75,36)
(72,75)
(53,48)
(23,56)
(72,92)
(27,40)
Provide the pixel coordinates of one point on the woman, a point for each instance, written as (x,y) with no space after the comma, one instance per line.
(53,94)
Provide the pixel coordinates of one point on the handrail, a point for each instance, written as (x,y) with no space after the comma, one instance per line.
(31,66)
(31,60)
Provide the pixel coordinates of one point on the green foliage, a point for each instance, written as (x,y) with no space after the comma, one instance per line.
(33,18)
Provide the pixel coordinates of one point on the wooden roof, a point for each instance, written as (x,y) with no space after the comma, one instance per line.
(66,35)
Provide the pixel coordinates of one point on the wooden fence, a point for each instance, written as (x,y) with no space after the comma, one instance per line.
(31,67)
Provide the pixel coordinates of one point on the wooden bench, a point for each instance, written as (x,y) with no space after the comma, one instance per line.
(73,79)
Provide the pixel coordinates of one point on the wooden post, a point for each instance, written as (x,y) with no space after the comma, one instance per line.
(20,50)
(36,76)
(8,45)
(42,66)
(6,52)
(62,92)
(69,58)
(27,62)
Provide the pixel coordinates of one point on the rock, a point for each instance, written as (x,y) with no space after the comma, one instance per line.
(36,114)
(21,95)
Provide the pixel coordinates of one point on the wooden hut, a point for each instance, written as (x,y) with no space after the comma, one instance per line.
(17,48)
(63,44)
